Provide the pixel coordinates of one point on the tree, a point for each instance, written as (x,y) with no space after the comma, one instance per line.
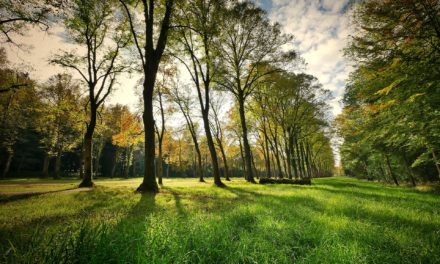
(91,25)
(198,27)
(150,55)
(130,133)
(60,121)
(17,108)
(248,43)
(182,98)
(17,15)
(218,131)
(393,90)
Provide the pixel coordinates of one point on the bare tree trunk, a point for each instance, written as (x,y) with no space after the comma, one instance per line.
(149,183)
(247,149)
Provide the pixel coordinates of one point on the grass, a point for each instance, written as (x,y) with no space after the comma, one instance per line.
(335,220)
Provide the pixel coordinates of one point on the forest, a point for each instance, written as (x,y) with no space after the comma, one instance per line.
(233,151)
(63,126)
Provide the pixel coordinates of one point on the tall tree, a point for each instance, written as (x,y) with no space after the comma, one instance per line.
(150,54)
(91,24)
(248,42)
(197,31)
(181,96)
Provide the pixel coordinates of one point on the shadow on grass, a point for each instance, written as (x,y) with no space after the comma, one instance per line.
(5,198)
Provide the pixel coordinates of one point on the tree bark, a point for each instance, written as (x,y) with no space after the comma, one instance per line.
(149,183)
(243,166)
(247,149)
(214,158)
(88,148)
(225,162)
(87,179)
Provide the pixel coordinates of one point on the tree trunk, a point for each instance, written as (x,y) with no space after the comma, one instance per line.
(299,161)
(292,156)
(159,165)
(277,159)
(436,162)
(81,162)
(225,162)
(304,160)
(88,168)
(8,163)
(266,142)
(149,183)
(57,165)
(247,149)
(243,167)
(214,158)
(88,148)
(199,165)
(410,172)
(46,165)
(390,170)
(289,160)
(114,163)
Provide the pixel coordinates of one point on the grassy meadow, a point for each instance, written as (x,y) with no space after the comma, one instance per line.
(335,220)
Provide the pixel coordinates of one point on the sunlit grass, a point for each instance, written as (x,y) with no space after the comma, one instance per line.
(335,220)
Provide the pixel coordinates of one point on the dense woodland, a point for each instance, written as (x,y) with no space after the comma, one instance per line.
(391,120)
(246,110)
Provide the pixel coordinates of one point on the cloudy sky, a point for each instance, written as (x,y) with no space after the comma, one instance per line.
(320,28)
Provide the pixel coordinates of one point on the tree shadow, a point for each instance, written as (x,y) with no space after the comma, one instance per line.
(177,200)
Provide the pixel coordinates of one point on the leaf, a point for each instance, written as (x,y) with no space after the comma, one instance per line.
(387,89)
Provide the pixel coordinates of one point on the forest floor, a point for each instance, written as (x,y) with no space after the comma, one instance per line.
(335,220)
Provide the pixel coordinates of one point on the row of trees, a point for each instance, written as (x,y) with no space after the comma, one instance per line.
(229,49)
(390,122)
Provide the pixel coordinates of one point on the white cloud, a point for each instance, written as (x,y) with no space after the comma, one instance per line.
(321,29)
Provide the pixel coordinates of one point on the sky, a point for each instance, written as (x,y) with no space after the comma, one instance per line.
(320,29)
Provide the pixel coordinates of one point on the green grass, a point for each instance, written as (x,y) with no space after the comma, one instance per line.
(335,220)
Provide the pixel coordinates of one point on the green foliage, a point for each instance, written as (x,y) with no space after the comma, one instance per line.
(392,99)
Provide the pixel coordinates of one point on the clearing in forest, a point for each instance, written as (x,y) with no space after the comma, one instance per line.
(335,220)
